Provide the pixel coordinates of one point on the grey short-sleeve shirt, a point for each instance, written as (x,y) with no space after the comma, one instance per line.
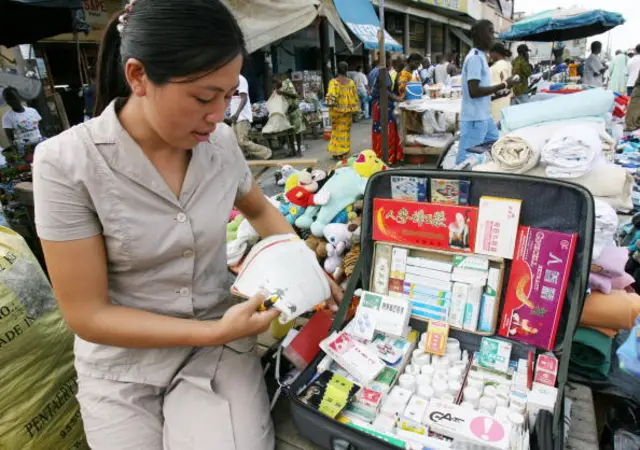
(165,254)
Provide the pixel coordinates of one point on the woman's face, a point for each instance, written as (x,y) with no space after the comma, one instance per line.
(493,56)
(183,112)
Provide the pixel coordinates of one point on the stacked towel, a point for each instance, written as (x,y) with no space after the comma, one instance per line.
(607,271)
(591,354)
(605,227)
(514,154)
(572,152)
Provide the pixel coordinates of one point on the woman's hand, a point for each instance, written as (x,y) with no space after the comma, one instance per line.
(336,295)
(244,319)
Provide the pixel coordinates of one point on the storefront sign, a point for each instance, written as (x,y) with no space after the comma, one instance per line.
(456,5)
(96,12)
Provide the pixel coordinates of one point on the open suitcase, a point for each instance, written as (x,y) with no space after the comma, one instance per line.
(550,204)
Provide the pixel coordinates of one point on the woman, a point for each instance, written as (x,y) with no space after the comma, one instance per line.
(294,114)
(632,119)
(407,74)
(394,144)
(342,99)
(618,73)
(20,123)
(131,208)
(501,71)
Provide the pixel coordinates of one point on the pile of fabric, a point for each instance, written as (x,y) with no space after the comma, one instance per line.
(572,152)
(611,305)
(628,156)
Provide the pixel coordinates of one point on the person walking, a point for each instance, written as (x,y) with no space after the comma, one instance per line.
(131,209)
(241,120)
(362,86)
(594,68)
(633,67)
(522,67)
(618,73)
(501,71)
(342,99)
(476,124)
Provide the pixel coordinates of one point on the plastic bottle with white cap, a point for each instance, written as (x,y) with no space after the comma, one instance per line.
(422,360)
(454,387)
(424,380)
(501,400)
(426,392)
(439,388)
(504,389)
(455,373)
(490,391)
(427,370)
(488,403)
(447,398)
(502,413)
(473,382)
(471,395)
(407,381)
(468,405)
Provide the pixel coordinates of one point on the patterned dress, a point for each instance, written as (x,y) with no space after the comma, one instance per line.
(293,113)
(394,145)
(344,100)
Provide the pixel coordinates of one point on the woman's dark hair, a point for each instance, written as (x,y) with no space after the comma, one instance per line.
(415,57)
(171,39)
(499,48)
(343,68)
(479,31)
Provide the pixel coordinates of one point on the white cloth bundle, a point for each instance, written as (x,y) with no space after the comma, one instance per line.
(278,122)
(514,154)
(605,227)
(572,152)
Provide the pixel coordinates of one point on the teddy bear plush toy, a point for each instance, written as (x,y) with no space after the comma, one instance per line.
(339,238)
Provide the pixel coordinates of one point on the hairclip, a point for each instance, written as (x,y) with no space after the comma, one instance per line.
(124,17)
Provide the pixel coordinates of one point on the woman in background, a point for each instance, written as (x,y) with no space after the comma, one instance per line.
(396,153)
(501,71)
(294,114)
(342,99)
(408,74)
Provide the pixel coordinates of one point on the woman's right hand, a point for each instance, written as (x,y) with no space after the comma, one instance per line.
(244,319)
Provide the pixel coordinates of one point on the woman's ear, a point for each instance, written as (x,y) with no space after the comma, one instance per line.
(136,77)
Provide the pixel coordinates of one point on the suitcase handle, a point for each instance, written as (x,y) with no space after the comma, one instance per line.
(341,444)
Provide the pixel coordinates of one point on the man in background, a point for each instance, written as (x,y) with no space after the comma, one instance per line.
(362,86)
(476,124)
(522,68)
(241,119)
(594,68)
(633,67)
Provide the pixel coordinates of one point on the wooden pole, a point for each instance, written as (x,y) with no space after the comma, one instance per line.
(384,93)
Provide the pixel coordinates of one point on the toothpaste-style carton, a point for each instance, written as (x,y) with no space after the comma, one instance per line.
(537,286)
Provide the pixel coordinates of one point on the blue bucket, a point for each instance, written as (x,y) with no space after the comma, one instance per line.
(414,90)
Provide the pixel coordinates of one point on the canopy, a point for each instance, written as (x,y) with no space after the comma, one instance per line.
(28,21)
(362,20)
(563,25)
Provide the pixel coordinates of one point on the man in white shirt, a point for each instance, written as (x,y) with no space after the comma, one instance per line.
(20,123)
(362,86)
(241,119)
(594,69)
(634,70)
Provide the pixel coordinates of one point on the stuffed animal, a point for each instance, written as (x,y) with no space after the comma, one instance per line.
(345,270)
(345,187)
(339,239)
(300,189)
(321,176)
(319,247)
(232,227)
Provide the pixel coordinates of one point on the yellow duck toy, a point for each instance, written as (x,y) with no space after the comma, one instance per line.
(368,163)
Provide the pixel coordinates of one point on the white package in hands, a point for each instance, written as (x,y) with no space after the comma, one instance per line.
(284,266)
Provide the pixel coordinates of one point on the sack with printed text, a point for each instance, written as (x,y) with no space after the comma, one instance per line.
(38,407)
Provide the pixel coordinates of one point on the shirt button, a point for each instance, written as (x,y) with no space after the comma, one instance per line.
(187,253)
(184,292)
(181,217)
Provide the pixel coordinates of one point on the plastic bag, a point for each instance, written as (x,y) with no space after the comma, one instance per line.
(629,352)
(278,122)
(38,408)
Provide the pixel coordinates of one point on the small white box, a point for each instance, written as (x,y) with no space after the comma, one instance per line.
(396,402)
(498,220)
(415,410)
(428,273)
(399,262)
(470,262)
(433,264)
(393,316)
(495,354)
(428,282)
(472,308)
(493,281)
(459,297)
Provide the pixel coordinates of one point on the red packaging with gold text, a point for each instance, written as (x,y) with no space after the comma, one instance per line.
(443,227)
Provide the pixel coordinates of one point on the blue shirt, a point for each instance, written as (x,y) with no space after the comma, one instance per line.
(475,68)
(374,83)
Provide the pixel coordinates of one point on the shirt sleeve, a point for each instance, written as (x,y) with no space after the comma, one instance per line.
(7,121)
(240,169)
(243,85)
(35,114)
(63,207)
(473,67)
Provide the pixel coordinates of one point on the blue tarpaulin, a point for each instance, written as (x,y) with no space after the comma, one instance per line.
(563,25)
(361,19)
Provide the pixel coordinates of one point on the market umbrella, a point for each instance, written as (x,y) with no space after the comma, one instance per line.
(563,25)
(28,21)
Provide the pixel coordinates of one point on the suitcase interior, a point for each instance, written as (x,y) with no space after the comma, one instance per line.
(550,204)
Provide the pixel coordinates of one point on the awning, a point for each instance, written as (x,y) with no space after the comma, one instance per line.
(328,10)
(28,21)
(266,21)
(461,35)
(362,20)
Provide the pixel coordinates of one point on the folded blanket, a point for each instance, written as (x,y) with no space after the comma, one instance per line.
(608,182)
(606,227)
(604,284)
(572,152)
(591,354)
(609,332)
(617,310)
(591,103)
(611,261)
(514,154)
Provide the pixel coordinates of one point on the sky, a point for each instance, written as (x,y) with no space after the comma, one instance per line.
(622,37)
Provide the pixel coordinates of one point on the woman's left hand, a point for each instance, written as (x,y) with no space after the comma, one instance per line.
(336,294)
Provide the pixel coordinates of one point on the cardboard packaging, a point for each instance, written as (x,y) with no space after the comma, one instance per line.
(537,286)
(356,358)
(495,354)
(409,188)
(498,222)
